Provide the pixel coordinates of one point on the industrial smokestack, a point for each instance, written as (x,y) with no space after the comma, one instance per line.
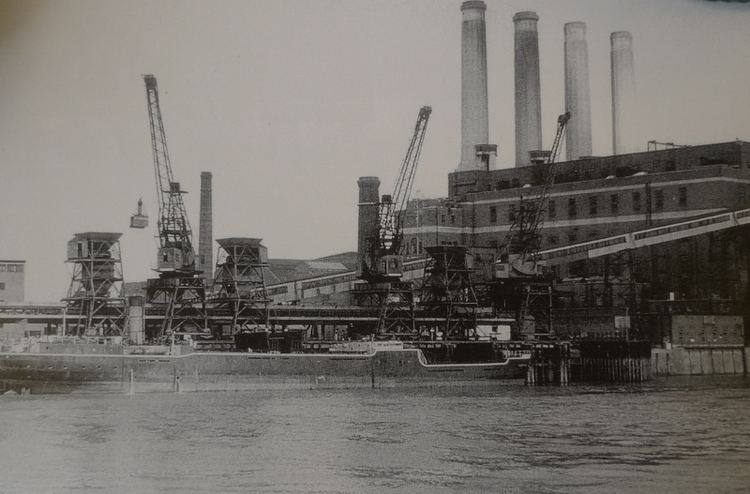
(474,119)
(577,95)
(624,131)
(205,229)
(369,196)
(528,92)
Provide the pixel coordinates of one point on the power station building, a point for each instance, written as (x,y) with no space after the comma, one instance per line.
(592,198)
(595,198)
(654,232)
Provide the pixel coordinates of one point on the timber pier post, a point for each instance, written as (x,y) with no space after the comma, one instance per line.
(588,361)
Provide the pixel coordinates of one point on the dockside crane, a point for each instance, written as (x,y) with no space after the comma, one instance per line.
(383,265)
(524,235)
(384,256)
(178,288)
(519,282)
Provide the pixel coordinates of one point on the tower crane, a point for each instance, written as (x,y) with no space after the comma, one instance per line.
(178,287)
(384,255)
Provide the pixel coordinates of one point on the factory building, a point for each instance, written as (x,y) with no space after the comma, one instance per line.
(12,291)
(12,281)
(326,280)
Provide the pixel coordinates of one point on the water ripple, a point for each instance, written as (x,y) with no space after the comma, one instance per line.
(667,437)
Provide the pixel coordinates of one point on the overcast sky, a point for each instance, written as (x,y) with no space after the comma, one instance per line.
(288,102)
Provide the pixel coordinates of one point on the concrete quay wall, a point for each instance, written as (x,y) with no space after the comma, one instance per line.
(700,360)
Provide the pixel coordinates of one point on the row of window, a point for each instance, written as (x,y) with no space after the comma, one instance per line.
(577,176)
(594,205)
(444,217)
(416,248)
(636,200)
(554,240)
(11,268)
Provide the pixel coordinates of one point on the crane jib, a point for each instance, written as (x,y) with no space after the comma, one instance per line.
(176,250)
(384,250)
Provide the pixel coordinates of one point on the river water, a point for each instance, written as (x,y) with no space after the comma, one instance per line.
(675,436)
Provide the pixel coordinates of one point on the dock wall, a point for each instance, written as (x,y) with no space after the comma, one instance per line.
(700,360)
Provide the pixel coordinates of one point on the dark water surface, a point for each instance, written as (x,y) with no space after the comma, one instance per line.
(666,437)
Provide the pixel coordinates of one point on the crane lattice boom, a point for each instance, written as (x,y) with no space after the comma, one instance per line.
(392,207)
(175,242)
(539,205)
(524,234)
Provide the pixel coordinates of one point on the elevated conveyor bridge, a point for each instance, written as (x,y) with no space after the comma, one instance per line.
(645,238)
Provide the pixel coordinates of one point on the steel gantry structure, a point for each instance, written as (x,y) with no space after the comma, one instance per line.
(95,303)
(239,287)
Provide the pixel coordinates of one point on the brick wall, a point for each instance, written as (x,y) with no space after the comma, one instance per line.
(580,211)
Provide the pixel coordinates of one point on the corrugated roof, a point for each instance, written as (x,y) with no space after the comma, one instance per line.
(325,265)
(348,259)
(286,270)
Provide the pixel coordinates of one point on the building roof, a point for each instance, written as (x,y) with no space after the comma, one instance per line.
(281,271)
(102,236)
(733,154)
(287,270)
(243,241)
(349,259)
